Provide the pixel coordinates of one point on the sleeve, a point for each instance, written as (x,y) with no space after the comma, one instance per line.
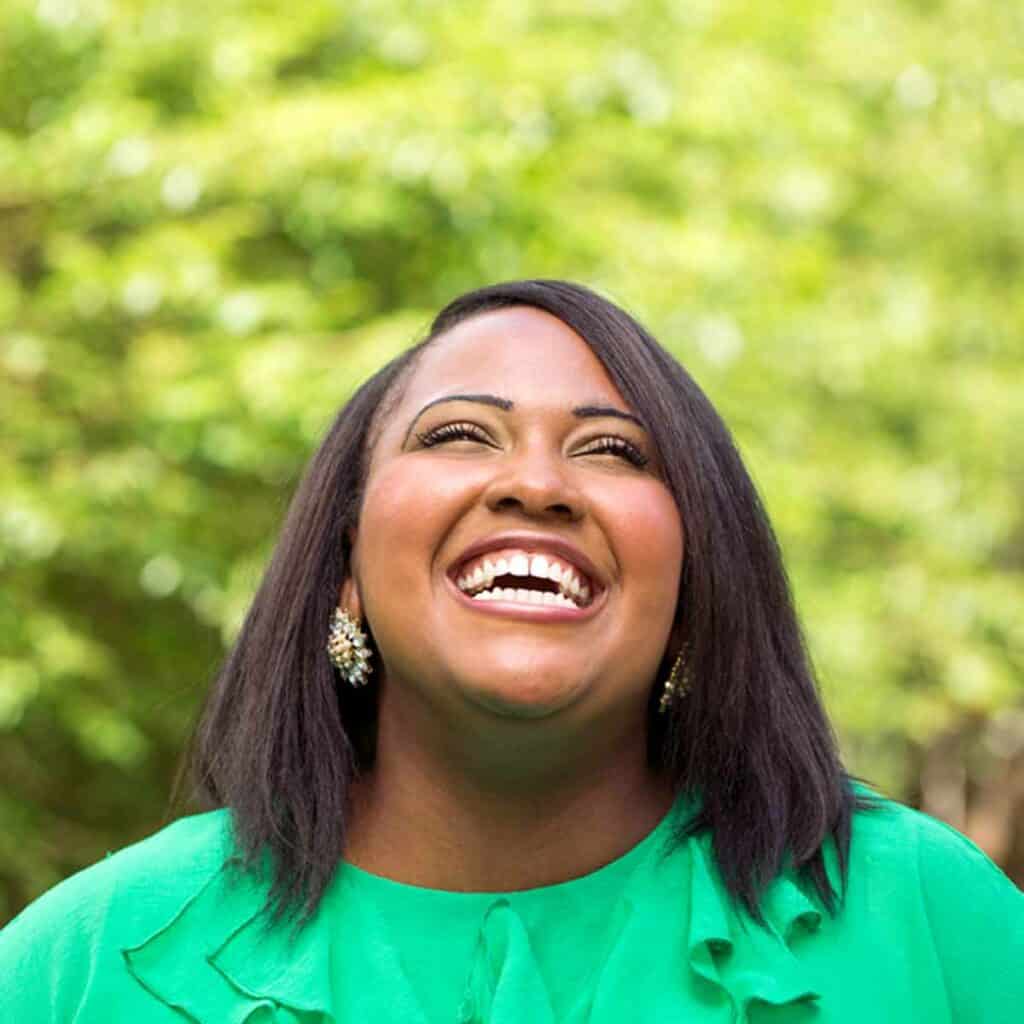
(48,951)
(976,916)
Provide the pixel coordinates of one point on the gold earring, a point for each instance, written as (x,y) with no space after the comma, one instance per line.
(346,647)
(678,683)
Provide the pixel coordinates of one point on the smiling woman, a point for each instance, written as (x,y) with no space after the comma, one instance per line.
(521,726)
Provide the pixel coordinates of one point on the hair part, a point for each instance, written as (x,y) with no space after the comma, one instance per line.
(280,739)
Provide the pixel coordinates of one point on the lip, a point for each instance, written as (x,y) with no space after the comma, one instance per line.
(539,543)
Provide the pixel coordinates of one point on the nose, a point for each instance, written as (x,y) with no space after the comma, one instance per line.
(536,483)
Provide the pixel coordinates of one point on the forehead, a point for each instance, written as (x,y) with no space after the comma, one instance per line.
(520,353)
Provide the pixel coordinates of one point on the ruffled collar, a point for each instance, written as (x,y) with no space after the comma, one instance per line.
(218,961)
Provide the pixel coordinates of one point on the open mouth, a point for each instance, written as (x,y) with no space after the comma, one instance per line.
(529,578)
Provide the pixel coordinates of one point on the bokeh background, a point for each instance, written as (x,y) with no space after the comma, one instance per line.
(216,218)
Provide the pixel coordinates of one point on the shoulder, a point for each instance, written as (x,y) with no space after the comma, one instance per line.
(891,832)
(128,887)
(898,850)
(919,886)
(66,948)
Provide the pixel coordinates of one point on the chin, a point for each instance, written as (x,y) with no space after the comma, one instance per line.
(517,698)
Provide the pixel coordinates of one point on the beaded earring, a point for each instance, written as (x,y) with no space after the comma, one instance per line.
(678,683)
(347,649)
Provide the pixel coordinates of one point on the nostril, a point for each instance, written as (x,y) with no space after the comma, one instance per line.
(559,509)
(537,494)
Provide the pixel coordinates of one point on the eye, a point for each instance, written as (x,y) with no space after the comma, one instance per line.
(452,432)
(612,445)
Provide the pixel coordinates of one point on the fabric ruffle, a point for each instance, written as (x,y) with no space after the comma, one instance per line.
(745,960)
(217,962)
(505,982)
(647,959)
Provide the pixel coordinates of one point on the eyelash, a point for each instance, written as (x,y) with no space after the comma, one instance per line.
(470,432)
(620,446)
(451,432)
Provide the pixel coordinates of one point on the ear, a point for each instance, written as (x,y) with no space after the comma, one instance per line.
(348,595)
(675,639)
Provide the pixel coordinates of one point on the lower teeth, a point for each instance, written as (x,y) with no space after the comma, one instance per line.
(525,597)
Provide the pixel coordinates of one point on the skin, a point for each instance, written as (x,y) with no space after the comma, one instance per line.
(510,753)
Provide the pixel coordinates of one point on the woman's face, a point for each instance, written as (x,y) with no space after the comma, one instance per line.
(511,467)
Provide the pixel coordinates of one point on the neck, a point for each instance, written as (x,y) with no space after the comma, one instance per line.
(547,810)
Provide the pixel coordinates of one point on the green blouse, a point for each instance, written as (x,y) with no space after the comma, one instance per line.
(161,933)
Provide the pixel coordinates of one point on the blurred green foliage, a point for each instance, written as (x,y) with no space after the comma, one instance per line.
(216,219)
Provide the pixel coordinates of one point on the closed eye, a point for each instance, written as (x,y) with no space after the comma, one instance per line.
(612,445)
(452,432)
(609,444)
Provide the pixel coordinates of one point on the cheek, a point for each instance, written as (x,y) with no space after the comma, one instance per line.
(386,522)
(406,513)
(393,537)
(649,542)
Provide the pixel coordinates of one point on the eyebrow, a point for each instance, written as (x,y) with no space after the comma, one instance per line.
(506,404)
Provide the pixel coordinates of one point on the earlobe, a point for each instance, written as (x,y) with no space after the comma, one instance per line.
(349,600)
(676,636)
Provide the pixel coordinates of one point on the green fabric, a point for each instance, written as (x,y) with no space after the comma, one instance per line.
(160,933)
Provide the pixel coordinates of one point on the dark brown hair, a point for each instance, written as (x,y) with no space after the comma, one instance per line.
(280,739)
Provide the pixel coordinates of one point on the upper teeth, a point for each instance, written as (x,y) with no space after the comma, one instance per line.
(480,573)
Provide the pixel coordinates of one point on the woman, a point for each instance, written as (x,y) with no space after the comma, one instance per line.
(563,760)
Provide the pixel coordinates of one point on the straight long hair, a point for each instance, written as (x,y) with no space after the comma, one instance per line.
(280,739)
